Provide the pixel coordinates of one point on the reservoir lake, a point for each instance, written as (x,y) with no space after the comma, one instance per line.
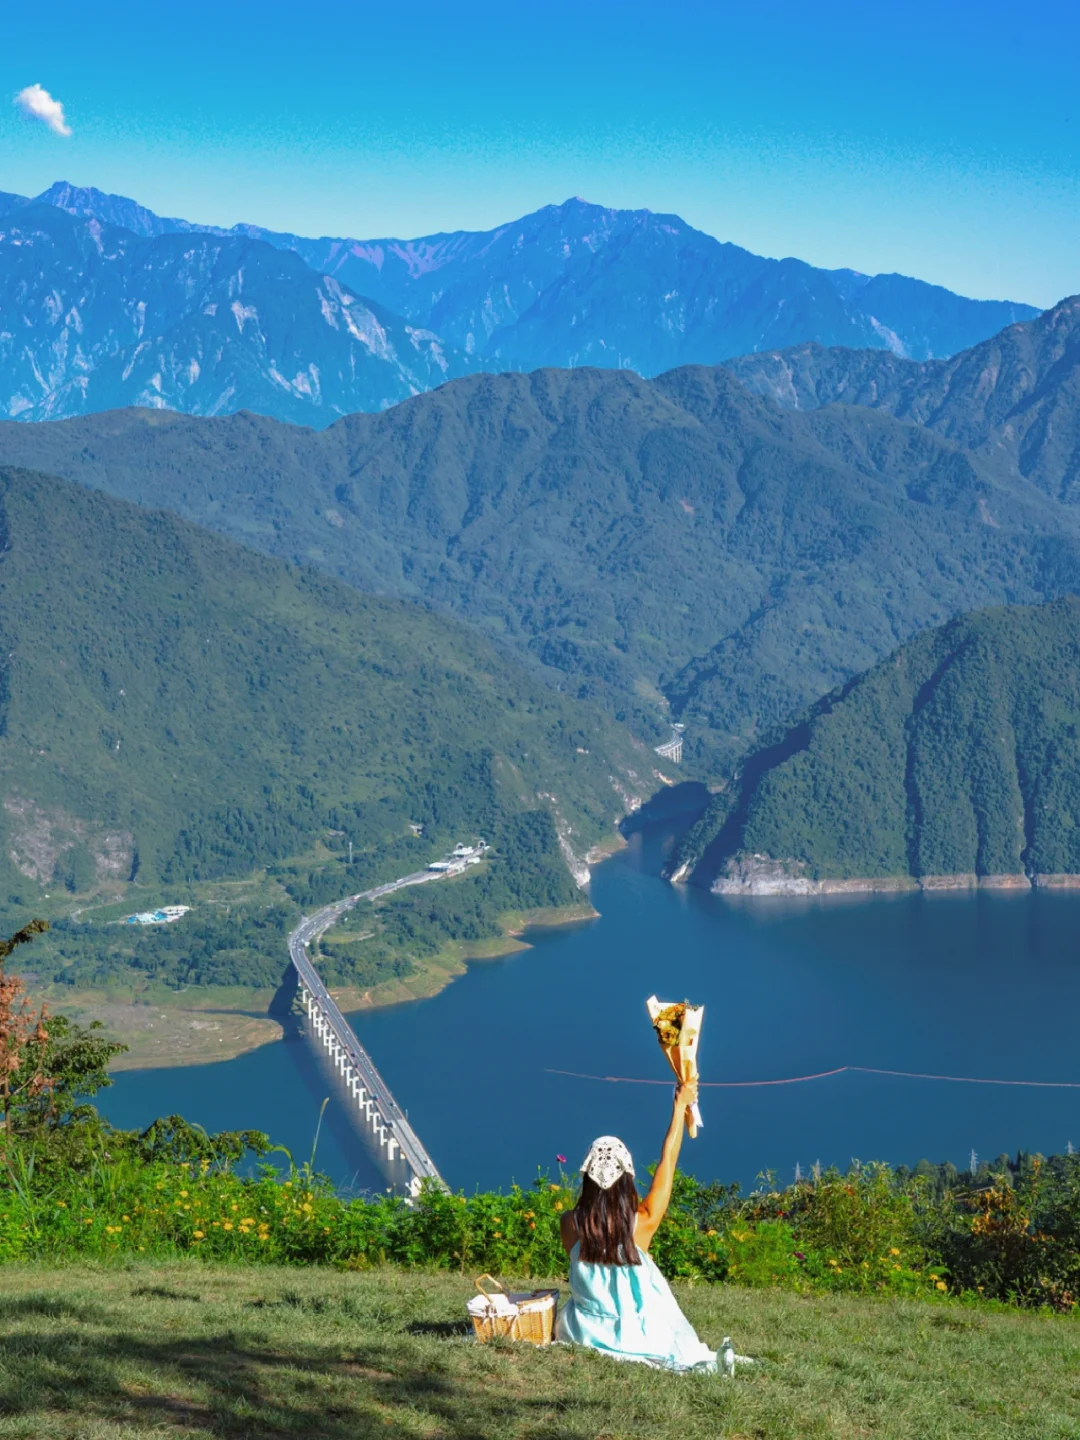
(982,985)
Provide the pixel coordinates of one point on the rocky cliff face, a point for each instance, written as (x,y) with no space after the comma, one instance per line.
(95,317)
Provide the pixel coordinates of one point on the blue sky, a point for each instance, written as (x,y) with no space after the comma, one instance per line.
(939,140)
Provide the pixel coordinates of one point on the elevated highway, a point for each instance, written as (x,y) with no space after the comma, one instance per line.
(382,1114)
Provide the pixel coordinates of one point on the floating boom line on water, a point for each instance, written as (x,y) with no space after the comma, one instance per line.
(825,1075)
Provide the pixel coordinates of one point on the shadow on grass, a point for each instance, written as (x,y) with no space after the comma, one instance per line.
(161,1292)
(440,1329)
(18,1307)
(231,1389)
(343,1305)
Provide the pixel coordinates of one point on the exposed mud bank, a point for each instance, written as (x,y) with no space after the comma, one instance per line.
(761,875)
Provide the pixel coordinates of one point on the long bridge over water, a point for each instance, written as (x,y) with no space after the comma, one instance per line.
(382,1114)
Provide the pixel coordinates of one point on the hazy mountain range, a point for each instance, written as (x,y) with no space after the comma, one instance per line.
(95,317)
(673,547)
(104,304)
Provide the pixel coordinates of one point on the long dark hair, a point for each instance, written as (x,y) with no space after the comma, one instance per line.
(605,1222)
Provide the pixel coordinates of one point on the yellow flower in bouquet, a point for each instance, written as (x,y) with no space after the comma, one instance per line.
(678,1028)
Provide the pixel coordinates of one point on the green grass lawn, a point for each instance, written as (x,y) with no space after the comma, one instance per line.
(187,1349)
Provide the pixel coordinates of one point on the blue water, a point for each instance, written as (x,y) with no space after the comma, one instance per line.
(972,985)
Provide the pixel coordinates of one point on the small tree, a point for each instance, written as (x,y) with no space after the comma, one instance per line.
(23,1036)
(48,1064)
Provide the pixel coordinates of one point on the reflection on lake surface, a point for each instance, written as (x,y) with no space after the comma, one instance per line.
(971,985)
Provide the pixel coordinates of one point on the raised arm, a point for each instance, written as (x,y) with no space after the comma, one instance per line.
(654,1207)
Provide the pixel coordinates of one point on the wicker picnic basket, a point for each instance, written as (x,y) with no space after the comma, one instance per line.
(527,1316)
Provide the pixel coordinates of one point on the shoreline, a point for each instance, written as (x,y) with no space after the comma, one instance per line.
(440,970)
(213,1024)
(760,876)
(223,1025)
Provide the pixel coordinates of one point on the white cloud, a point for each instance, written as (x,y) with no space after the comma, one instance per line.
(36,103)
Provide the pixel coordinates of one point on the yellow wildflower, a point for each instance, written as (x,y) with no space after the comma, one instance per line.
(942,1286)
(198,1234)
(228,1226)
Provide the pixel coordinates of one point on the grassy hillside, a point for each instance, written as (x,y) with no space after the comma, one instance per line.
(186,1349)
(176,709)
(958,755)
(676,546)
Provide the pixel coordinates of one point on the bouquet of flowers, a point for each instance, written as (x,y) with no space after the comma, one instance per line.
(678,1028)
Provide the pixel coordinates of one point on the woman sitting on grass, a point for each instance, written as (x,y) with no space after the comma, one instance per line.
(620,1303)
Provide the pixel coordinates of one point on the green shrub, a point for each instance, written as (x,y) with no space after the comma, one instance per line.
(174,1191)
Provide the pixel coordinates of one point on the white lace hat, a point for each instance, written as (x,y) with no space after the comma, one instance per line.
(607,1161)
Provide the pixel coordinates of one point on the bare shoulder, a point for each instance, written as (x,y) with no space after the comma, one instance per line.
(568,1230)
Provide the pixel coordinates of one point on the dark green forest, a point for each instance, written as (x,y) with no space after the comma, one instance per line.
(175,709)
(959,755)
(245,944)
(668,547)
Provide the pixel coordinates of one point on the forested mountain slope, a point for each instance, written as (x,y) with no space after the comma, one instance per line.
(1015,397)
(93,317)
(958,756)
(630,537)
(176,707)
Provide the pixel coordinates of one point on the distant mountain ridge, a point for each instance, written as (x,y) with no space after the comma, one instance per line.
(580,284)
(97,317)
(569,285)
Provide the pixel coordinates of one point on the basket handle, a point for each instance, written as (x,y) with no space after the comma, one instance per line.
(495,1284)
